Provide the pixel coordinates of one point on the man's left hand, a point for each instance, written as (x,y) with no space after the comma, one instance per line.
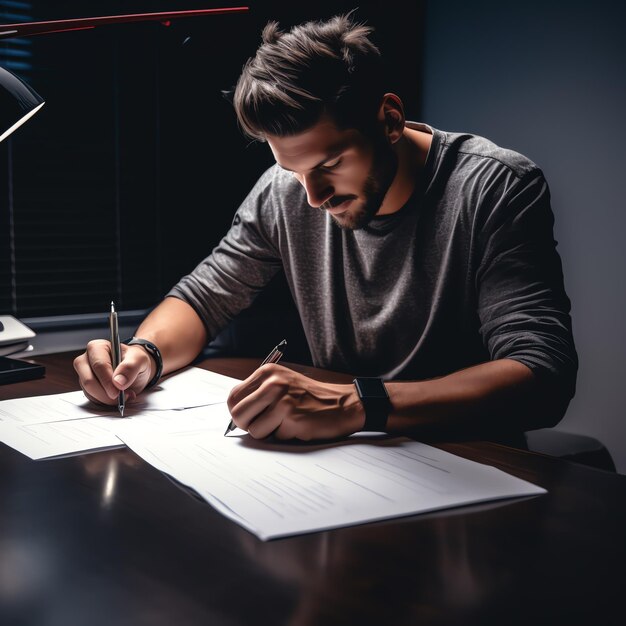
(277,401)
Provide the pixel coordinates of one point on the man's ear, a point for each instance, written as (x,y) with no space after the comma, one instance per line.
(391,115)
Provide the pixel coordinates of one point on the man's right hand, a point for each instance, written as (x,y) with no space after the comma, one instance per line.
(98,380)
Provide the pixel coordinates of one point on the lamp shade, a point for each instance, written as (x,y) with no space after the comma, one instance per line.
(18,102)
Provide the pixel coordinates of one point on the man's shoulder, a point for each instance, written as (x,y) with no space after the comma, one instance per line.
(276,199)
(279,183)
(475,153)
(472,175)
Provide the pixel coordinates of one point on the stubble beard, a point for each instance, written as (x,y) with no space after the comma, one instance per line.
(375,188)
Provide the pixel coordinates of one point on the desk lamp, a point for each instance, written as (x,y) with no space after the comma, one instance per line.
(19,102)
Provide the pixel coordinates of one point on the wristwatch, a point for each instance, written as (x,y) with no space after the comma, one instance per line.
(375,400)
(154,352)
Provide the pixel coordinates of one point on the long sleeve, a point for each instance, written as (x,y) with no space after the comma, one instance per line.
(522,304)
(244,261)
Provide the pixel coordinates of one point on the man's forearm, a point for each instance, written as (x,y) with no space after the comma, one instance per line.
(479,396)
(177,330)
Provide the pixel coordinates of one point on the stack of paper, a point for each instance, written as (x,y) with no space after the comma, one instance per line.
(278,490)
(58,425)
(271,489)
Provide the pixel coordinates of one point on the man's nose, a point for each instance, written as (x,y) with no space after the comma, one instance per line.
(317,189)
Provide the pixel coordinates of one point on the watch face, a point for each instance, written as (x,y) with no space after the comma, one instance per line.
(371,388)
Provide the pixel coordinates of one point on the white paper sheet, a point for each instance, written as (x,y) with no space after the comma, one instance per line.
(74,436)
(212,417)
(43,409)
(187,389)
(278,490)
(53,439)
(48,426)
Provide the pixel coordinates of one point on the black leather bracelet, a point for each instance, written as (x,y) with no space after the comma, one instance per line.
(154,352)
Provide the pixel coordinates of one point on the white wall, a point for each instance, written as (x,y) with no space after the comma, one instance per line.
(548,79)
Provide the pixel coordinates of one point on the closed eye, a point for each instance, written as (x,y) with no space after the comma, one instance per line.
(331,165)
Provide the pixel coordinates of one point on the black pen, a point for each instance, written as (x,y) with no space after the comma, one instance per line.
(273,357)
(116,353)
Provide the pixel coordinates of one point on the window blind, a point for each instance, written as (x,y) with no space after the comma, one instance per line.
(131,172)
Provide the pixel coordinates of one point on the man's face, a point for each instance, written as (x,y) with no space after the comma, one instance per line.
(343,172)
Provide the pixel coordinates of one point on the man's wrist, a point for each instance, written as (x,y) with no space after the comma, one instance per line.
(153,365)
(353,408)
(156,359)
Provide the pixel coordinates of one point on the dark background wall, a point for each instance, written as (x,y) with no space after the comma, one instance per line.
(132,171)
(548,79)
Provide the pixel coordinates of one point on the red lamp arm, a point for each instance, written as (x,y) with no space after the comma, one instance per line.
(29,29)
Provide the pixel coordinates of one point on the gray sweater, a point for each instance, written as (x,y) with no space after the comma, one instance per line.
(467,271)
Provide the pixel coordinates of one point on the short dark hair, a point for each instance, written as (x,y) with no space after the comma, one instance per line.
(317,68)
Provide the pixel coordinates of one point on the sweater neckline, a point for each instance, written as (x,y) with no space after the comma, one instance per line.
(382,224)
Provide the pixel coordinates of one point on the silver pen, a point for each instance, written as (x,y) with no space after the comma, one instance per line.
(273,357)
(116,353)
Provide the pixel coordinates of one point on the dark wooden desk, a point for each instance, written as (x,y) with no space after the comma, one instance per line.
(105,539)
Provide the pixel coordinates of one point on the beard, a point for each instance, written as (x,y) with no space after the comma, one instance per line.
(375,188)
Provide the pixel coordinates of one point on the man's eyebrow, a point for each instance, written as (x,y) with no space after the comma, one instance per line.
(333,155)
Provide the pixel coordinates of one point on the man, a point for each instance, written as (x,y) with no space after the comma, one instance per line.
(430,263)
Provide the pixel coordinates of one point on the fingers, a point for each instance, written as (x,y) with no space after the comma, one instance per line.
(130,397)
(133,373)
(95,373)
(97,379)
(252,403)
(264,424)
(250,384)
(277,401)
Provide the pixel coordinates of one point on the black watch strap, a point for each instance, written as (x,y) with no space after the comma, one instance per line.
(154,352)
(375,400)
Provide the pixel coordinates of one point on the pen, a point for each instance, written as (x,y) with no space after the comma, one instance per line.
(273,357)
(116,353)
